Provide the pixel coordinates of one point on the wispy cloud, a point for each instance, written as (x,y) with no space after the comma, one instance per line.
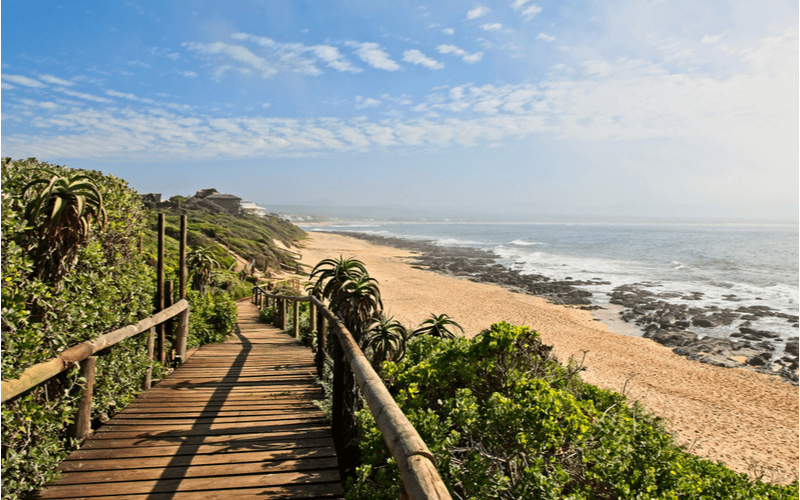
(330,55)
(463,54)
(448,31)
(56,81)
(374,55)
(545,37)
(477,12)
(132,97)
(236,52)
(82,95)
(24,81)
(492,26)
(366,102)
(188,74)
(526,11)
(415,56)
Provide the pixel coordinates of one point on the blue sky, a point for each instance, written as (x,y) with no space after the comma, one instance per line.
(656,106)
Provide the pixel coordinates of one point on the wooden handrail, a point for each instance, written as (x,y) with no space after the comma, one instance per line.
(418,472)
(42,372)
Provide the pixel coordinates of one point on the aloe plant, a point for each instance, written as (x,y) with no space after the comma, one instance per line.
(59,215)
(201,261)
(387,339)
(437,326)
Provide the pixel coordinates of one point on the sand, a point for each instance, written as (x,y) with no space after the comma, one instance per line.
(737,416)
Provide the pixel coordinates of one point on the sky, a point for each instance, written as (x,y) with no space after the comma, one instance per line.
(644,107)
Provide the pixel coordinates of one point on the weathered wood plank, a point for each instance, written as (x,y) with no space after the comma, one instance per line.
(236,420)
(118,461)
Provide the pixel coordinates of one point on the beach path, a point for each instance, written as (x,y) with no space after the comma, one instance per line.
(742,418)
(237,420)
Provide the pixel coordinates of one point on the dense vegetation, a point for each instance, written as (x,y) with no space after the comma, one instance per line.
(505,420)
(73,269)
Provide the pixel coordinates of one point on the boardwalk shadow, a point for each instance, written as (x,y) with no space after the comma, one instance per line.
(302,443)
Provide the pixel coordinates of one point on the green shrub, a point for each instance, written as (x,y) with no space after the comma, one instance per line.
(505,420)
(108,287)
(212,317)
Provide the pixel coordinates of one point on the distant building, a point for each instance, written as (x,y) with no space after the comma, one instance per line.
(227,202)
(204,193)
(249,207)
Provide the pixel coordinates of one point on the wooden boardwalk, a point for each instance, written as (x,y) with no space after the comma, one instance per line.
(235,421)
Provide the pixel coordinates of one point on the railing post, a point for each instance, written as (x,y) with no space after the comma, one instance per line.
(162,355)
(82,427)
(182,263)
(296,324)
(312,316)
(148,374)
(337,404)
(167,303)
(182,335)
(322,332)
(282,307)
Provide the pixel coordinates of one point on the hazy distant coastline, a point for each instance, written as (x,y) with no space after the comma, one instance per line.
(360,214)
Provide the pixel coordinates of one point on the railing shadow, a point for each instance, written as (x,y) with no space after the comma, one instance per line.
(175,470)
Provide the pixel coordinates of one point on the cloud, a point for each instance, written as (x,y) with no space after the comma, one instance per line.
(237,53)
(331,56)
(368,102)
(448,31)
(81,95)
(416,57)
(545,37)
(477,12)
(188,74)
(492,27)
(464,55)
(374,55)
(527,12)
(56,81)
(132,97)
(710,39)
(24,81)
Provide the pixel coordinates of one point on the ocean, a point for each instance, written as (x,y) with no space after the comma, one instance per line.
(730,265)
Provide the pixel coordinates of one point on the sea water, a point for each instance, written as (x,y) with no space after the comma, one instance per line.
(731,265)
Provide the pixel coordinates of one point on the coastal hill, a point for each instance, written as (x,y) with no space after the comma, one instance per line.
(211,220)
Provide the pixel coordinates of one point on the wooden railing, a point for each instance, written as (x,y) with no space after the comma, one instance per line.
(81,354)
(418,472)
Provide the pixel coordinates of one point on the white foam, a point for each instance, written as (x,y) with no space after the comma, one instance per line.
(443,242)
(525,243)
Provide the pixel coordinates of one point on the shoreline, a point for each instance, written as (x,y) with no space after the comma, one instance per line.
(640,312)
(737,416)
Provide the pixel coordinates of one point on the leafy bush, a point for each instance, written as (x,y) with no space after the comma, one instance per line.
(108,287)
(505,420)
(212,317)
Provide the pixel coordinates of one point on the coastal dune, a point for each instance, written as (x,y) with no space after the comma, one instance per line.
(737,416)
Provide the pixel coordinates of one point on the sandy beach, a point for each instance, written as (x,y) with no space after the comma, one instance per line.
(737,416)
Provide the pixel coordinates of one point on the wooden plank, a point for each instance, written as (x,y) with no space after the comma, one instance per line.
(145,471)
(237,420)
(294,491)
(167,459)
(190,484)
(253,439)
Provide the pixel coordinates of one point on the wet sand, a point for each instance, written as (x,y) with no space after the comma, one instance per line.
(736,416)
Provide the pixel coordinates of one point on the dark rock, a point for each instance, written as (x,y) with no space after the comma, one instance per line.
(671,337)
(704,322)
(791,348)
